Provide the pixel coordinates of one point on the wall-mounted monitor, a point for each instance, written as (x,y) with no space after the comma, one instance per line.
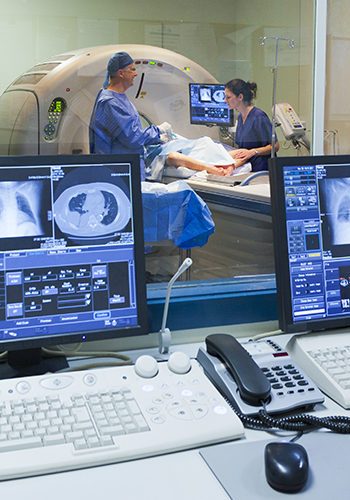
(208,105)
(310,199)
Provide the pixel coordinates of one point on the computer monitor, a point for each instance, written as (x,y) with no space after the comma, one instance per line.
(71,252)
(208,105)
(310,199)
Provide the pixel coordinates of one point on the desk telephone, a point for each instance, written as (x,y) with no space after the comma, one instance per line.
(254,372)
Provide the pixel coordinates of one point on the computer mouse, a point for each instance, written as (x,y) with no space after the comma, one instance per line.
(286,466)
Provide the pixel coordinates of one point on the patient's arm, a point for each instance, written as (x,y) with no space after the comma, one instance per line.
(180,160)
(238,161)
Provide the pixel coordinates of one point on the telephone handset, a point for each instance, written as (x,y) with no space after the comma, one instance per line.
(252,384)
(254,374)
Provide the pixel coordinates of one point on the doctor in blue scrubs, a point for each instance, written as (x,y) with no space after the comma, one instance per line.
(115,125)
(254,128)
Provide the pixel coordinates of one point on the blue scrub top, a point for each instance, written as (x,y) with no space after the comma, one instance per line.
(115,127)
(255,132)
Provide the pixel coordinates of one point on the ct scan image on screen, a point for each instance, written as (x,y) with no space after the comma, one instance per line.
(87,210)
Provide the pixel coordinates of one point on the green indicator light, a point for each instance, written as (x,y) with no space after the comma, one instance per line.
(152,63)
(187,68)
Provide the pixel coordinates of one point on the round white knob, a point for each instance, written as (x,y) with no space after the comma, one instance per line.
(179,362)
(146,366)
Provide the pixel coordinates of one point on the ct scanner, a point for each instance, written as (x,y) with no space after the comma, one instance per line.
(47,109)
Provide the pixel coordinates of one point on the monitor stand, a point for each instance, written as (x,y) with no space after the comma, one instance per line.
(29,362)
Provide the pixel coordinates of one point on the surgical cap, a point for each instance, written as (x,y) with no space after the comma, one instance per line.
(119,60)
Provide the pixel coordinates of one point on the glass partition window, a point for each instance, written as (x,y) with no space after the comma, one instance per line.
(224,39)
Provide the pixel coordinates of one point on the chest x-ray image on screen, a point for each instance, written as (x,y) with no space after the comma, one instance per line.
(21,205)
(335,198)
(25,208)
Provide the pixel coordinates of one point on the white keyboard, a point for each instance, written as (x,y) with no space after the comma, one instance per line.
(67,421)
(325,357)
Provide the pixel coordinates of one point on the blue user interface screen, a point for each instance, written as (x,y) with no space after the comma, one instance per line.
(317,205)
(66,250)
(208,105)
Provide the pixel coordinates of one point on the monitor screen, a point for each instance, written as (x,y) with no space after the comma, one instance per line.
(71,250)
(208,105)
(310,199)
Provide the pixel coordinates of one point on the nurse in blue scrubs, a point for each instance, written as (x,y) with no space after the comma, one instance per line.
(115,125)
(254,128)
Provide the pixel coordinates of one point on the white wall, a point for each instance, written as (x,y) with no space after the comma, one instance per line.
(337,112)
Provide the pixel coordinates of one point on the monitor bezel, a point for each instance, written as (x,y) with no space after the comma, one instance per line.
(212,122)
(81,337)
(278,212)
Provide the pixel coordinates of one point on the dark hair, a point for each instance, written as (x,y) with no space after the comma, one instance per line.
(247,89)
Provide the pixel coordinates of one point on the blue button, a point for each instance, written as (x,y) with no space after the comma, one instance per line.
(102,315)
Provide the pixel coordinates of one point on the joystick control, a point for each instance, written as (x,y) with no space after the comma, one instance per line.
(146,366)
(179,362)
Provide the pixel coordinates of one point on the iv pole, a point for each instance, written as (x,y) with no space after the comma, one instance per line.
(291,45)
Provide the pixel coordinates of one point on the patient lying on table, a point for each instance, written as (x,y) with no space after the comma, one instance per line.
(201,154)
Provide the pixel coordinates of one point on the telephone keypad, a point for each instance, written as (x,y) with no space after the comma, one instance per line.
(284,378)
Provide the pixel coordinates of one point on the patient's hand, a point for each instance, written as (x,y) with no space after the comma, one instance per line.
(229,170)
(223,171)
(215,170)
(242,154)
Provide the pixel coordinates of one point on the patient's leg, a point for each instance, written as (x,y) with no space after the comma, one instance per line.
(180,160)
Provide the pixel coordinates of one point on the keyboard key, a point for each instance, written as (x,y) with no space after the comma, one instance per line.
(81,414)
(20,444)
(112,430)
(80,444)
(54,439)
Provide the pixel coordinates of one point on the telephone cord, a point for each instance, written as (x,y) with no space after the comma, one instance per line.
(299,423)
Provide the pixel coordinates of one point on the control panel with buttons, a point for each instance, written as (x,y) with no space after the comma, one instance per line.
(54,116)
(83,418)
